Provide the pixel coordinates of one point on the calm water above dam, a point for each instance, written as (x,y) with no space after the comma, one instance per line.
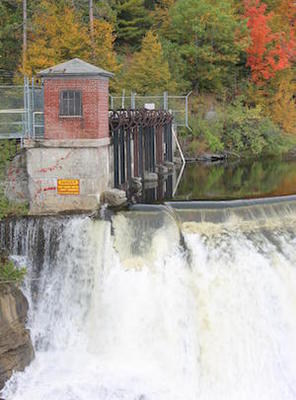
(235,180)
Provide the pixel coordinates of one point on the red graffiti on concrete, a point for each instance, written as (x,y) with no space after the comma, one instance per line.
(42,189)
(56,165)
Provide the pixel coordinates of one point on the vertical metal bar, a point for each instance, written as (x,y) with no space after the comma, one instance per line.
(116,163)
(165,101)
(33,123)
(159,145)
(165,129)
(169,187)
(147,148)
(123,98)
(29,109)
(128,155)
(170,143)
(133,100)
(33,108)
(136,151)
(33,95)
(122,155)
(42,105)
(152,149)
(141,169)
(25,122)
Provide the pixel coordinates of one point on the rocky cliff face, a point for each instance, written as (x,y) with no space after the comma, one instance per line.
(16,350)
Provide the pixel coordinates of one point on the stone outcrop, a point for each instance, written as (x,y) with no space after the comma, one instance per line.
(114,198)
(16,350)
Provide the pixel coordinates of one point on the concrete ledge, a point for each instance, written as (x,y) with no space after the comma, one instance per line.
(60,143)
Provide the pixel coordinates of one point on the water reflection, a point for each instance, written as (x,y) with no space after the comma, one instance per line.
(237,180)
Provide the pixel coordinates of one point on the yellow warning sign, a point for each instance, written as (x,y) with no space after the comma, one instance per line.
(68,186)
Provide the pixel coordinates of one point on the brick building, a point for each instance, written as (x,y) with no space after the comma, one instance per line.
(75,101)
(71,166)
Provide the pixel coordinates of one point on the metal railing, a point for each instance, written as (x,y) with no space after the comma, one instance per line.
(21,111)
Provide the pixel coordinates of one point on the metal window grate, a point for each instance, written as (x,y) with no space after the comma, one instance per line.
(70,103)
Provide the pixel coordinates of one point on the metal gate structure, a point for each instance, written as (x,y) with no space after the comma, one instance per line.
(142,141)
(177,105)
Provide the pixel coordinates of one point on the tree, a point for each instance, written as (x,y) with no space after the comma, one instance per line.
(24,32)
(148,71)
(283,103)
(268,51)
(133,20)
(57,36)
(103,53)
(91,21)
(10,37)
(206,34)
(285,13)
(161,15)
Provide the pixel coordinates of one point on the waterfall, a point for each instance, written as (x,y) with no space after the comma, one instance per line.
(165,304)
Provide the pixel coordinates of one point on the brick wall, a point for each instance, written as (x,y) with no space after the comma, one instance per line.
(94,122)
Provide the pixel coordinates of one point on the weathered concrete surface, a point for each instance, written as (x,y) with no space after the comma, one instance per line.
(16,350)
(150,177)
(114,197)
(16,184)
(87,160)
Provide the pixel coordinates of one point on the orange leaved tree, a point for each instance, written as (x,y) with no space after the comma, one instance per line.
(269,51)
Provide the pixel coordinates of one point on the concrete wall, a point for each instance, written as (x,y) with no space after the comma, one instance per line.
(50,160)
(94,122)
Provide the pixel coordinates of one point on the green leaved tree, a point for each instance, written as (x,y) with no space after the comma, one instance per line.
(148,71)
(133,20)
(207,36)
(10,37)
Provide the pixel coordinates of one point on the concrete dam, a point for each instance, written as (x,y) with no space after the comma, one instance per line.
(173,302)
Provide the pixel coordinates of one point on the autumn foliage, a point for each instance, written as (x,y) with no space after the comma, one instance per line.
(222,50)
(148,71)
(58,35)
(269,51)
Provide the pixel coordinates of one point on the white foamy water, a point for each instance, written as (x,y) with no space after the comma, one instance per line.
(134,311)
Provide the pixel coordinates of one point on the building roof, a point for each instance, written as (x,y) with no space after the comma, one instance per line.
(75,67)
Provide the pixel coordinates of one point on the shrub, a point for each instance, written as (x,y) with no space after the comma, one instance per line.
(8,208)
(9,272)
(210,131)
(239,129)
(247,131)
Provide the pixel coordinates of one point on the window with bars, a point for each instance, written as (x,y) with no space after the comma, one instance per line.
(70,103)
